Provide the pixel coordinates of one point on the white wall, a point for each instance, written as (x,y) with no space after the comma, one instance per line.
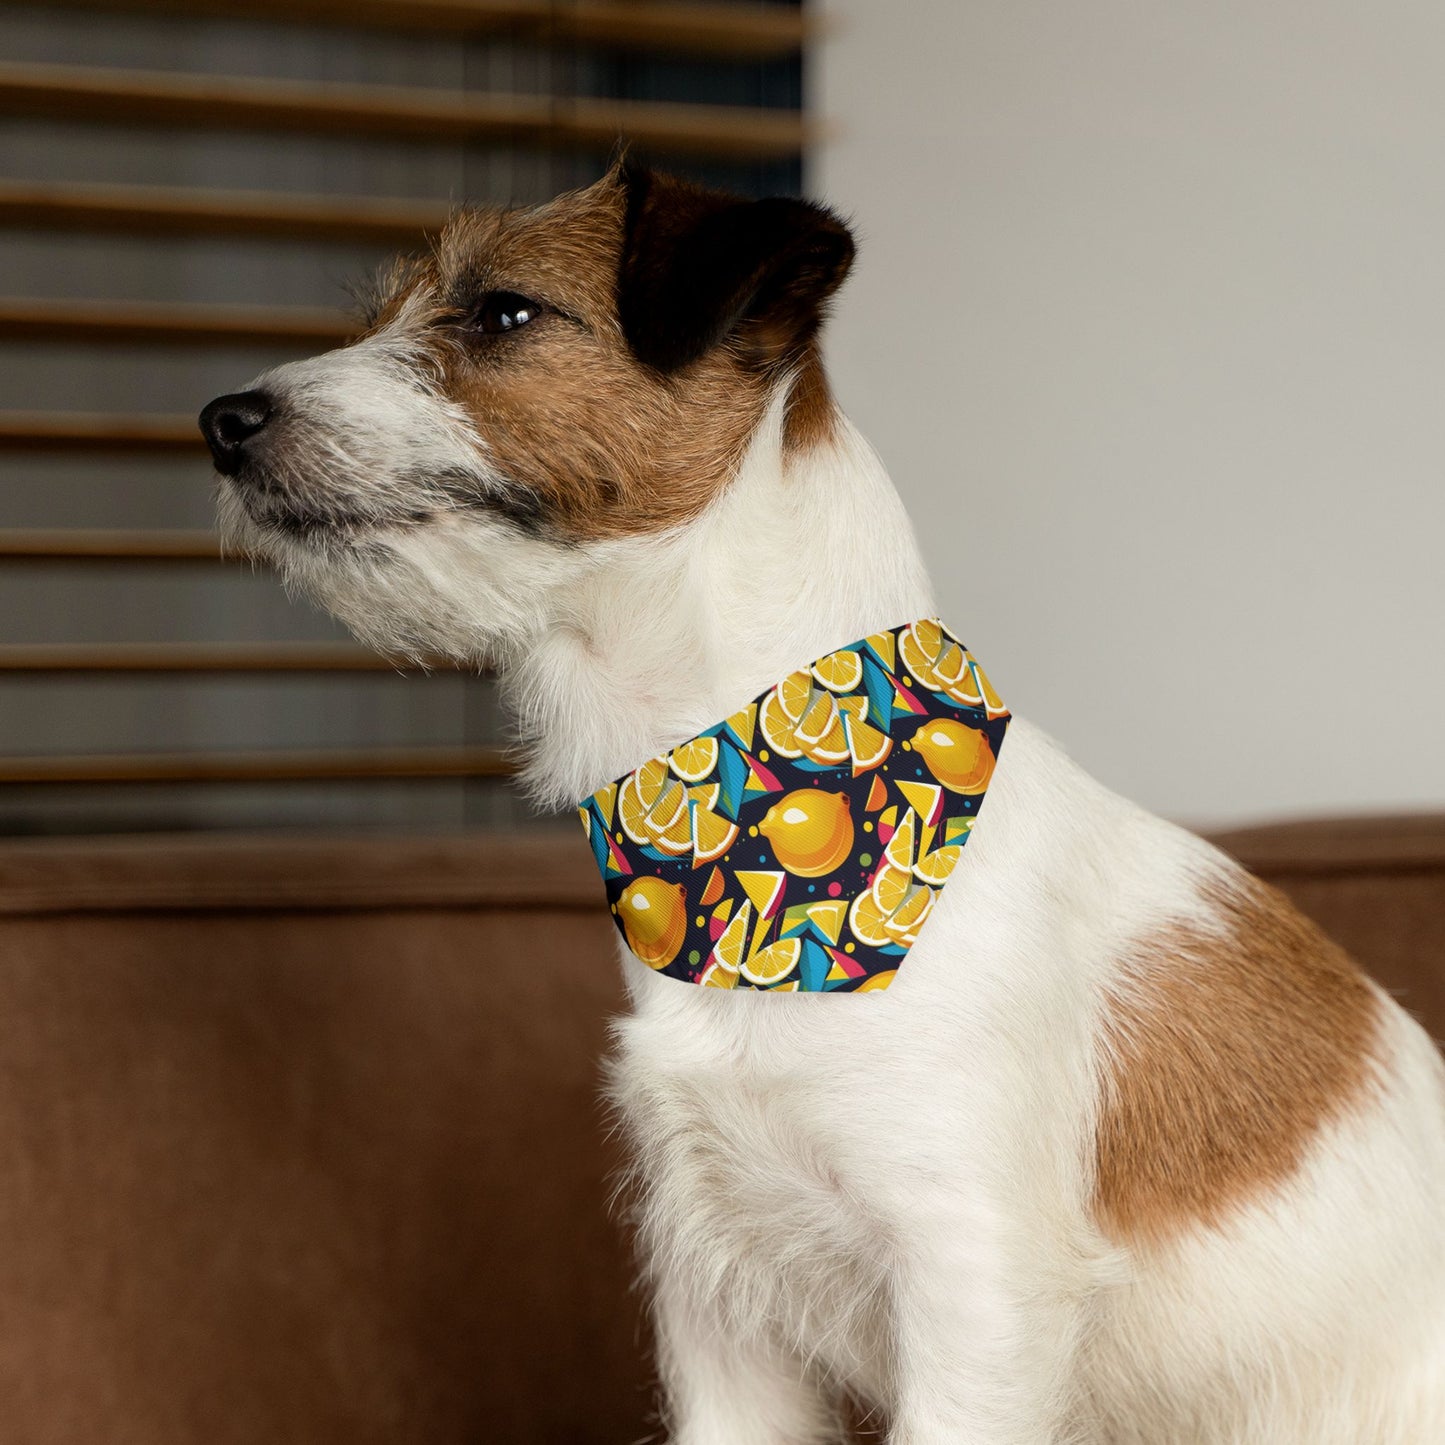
(1149,324)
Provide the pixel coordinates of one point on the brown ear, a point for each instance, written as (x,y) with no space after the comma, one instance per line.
(699,266)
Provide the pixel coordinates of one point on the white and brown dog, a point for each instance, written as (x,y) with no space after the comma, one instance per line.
(1130,1153)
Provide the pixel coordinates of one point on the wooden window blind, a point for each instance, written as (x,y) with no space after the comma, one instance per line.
(186,186)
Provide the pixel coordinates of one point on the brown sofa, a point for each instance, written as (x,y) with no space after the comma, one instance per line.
(302,1142)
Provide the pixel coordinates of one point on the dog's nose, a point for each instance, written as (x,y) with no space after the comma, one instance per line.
(229,422)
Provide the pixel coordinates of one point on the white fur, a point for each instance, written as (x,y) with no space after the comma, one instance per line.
(889,1194)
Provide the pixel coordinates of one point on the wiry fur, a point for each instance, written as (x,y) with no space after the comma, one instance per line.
(895,1195)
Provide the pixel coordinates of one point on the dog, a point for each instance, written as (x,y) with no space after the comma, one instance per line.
(1129,1152)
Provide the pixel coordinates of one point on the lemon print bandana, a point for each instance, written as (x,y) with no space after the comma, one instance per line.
(801,844)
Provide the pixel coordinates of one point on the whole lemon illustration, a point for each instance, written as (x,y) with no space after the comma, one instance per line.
(654,918)
(958,756)
(811,831)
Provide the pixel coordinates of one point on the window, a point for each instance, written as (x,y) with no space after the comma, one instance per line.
(185,193)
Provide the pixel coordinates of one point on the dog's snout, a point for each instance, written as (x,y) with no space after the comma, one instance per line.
(229,422)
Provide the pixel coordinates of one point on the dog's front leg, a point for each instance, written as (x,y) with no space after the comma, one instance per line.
(984,1342)
(722,1386)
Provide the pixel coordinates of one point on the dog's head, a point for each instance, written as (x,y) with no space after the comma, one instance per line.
(542,384)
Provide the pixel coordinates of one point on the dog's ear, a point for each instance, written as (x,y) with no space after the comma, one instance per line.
(700,266)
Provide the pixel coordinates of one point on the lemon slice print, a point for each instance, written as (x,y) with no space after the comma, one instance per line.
(867,920)
(651,779)
(867,747)
(775,962)
(795,692)
(899,851)
(677,841)
(632,811)
(966,691)
(742,723)
(827,917)
(716,976)
(671,804)
(937,866)
(694,761)
(952,664)
(905,921)
(669,822)
(839,671)
(918,649)
(637,796)
(729,949)
(883,648)
(832,748)
(712,835)
(778,728)
(822,713)
(820,734)
(891,887)
(991,700)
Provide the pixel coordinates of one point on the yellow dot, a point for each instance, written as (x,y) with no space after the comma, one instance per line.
(763,756)
(753,831)
(614,908)
(700,920)
(847,948)
(868,825)
(908,747)
(907,682)
(618,836)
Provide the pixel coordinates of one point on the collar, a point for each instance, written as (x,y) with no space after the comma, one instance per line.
(801,844)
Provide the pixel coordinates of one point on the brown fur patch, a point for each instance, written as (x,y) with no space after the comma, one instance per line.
(812,415)
(603,444)
(1226,1054)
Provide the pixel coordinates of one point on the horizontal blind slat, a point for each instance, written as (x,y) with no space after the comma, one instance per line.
(171,323)
(177,211)
(706,28)
(91,544)
(219,102)
(85,431)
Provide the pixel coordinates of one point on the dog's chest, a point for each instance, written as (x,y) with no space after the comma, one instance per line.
(753,1178)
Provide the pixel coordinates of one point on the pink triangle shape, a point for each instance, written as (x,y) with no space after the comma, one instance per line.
(764,776)
(905,700)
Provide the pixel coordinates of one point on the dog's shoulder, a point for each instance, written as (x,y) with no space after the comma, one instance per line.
(1233,1037)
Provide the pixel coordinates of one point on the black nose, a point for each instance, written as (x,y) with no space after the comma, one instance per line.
(229,422)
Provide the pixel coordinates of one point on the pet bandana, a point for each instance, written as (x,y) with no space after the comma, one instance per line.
(801,844)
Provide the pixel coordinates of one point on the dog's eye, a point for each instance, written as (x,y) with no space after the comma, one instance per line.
(504,311)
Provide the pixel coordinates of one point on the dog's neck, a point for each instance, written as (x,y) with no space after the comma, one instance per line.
(804,552)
